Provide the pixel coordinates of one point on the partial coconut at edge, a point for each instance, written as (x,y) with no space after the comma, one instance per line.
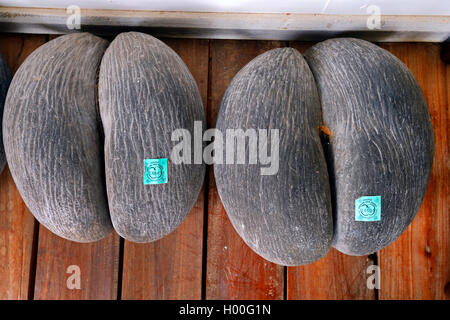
(284,217)
(381,143)
(51,131)
(5,80)
(145,93)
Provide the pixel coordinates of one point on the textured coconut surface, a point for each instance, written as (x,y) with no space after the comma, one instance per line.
(205,257)
(381,141)
(5,79)
(284,215)
(52,137)
(145,93)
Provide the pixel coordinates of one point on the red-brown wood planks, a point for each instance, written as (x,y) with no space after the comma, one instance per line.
(57,263)
(171,268)
(17,225)
(16,241)
(417,265)
(336,276)
(234,271)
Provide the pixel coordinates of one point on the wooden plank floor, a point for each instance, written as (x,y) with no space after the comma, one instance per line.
(205,258)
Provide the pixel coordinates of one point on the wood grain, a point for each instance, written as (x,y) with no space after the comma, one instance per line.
(171,268)
(416,266)
(336,276)
(234,271)
(17,225)
(98,263)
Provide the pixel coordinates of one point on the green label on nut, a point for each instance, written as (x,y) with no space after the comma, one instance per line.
(155,171)
(368,208)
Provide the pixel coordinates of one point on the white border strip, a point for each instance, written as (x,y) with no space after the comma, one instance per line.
(261,26)
(341,7)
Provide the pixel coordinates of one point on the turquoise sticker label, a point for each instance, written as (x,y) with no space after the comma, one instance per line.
(368,208)
(155,171)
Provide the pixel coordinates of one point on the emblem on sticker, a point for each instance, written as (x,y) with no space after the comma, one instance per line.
(155,171)
(368,208)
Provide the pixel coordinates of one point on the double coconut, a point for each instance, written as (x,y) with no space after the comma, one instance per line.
(87,133)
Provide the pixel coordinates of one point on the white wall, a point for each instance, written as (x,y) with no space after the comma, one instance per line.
(388,7)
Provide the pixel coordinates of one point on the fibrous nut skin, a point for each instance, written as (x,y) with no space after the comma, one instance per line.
(145,93)
(51,132)
(381,139)
(5,79)
(285,217)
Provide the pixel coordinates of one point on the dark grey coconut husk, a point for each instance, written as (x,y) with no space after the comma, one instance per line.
(146,92)
(286,217)
(381,140)
(5,79)
(51,132)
